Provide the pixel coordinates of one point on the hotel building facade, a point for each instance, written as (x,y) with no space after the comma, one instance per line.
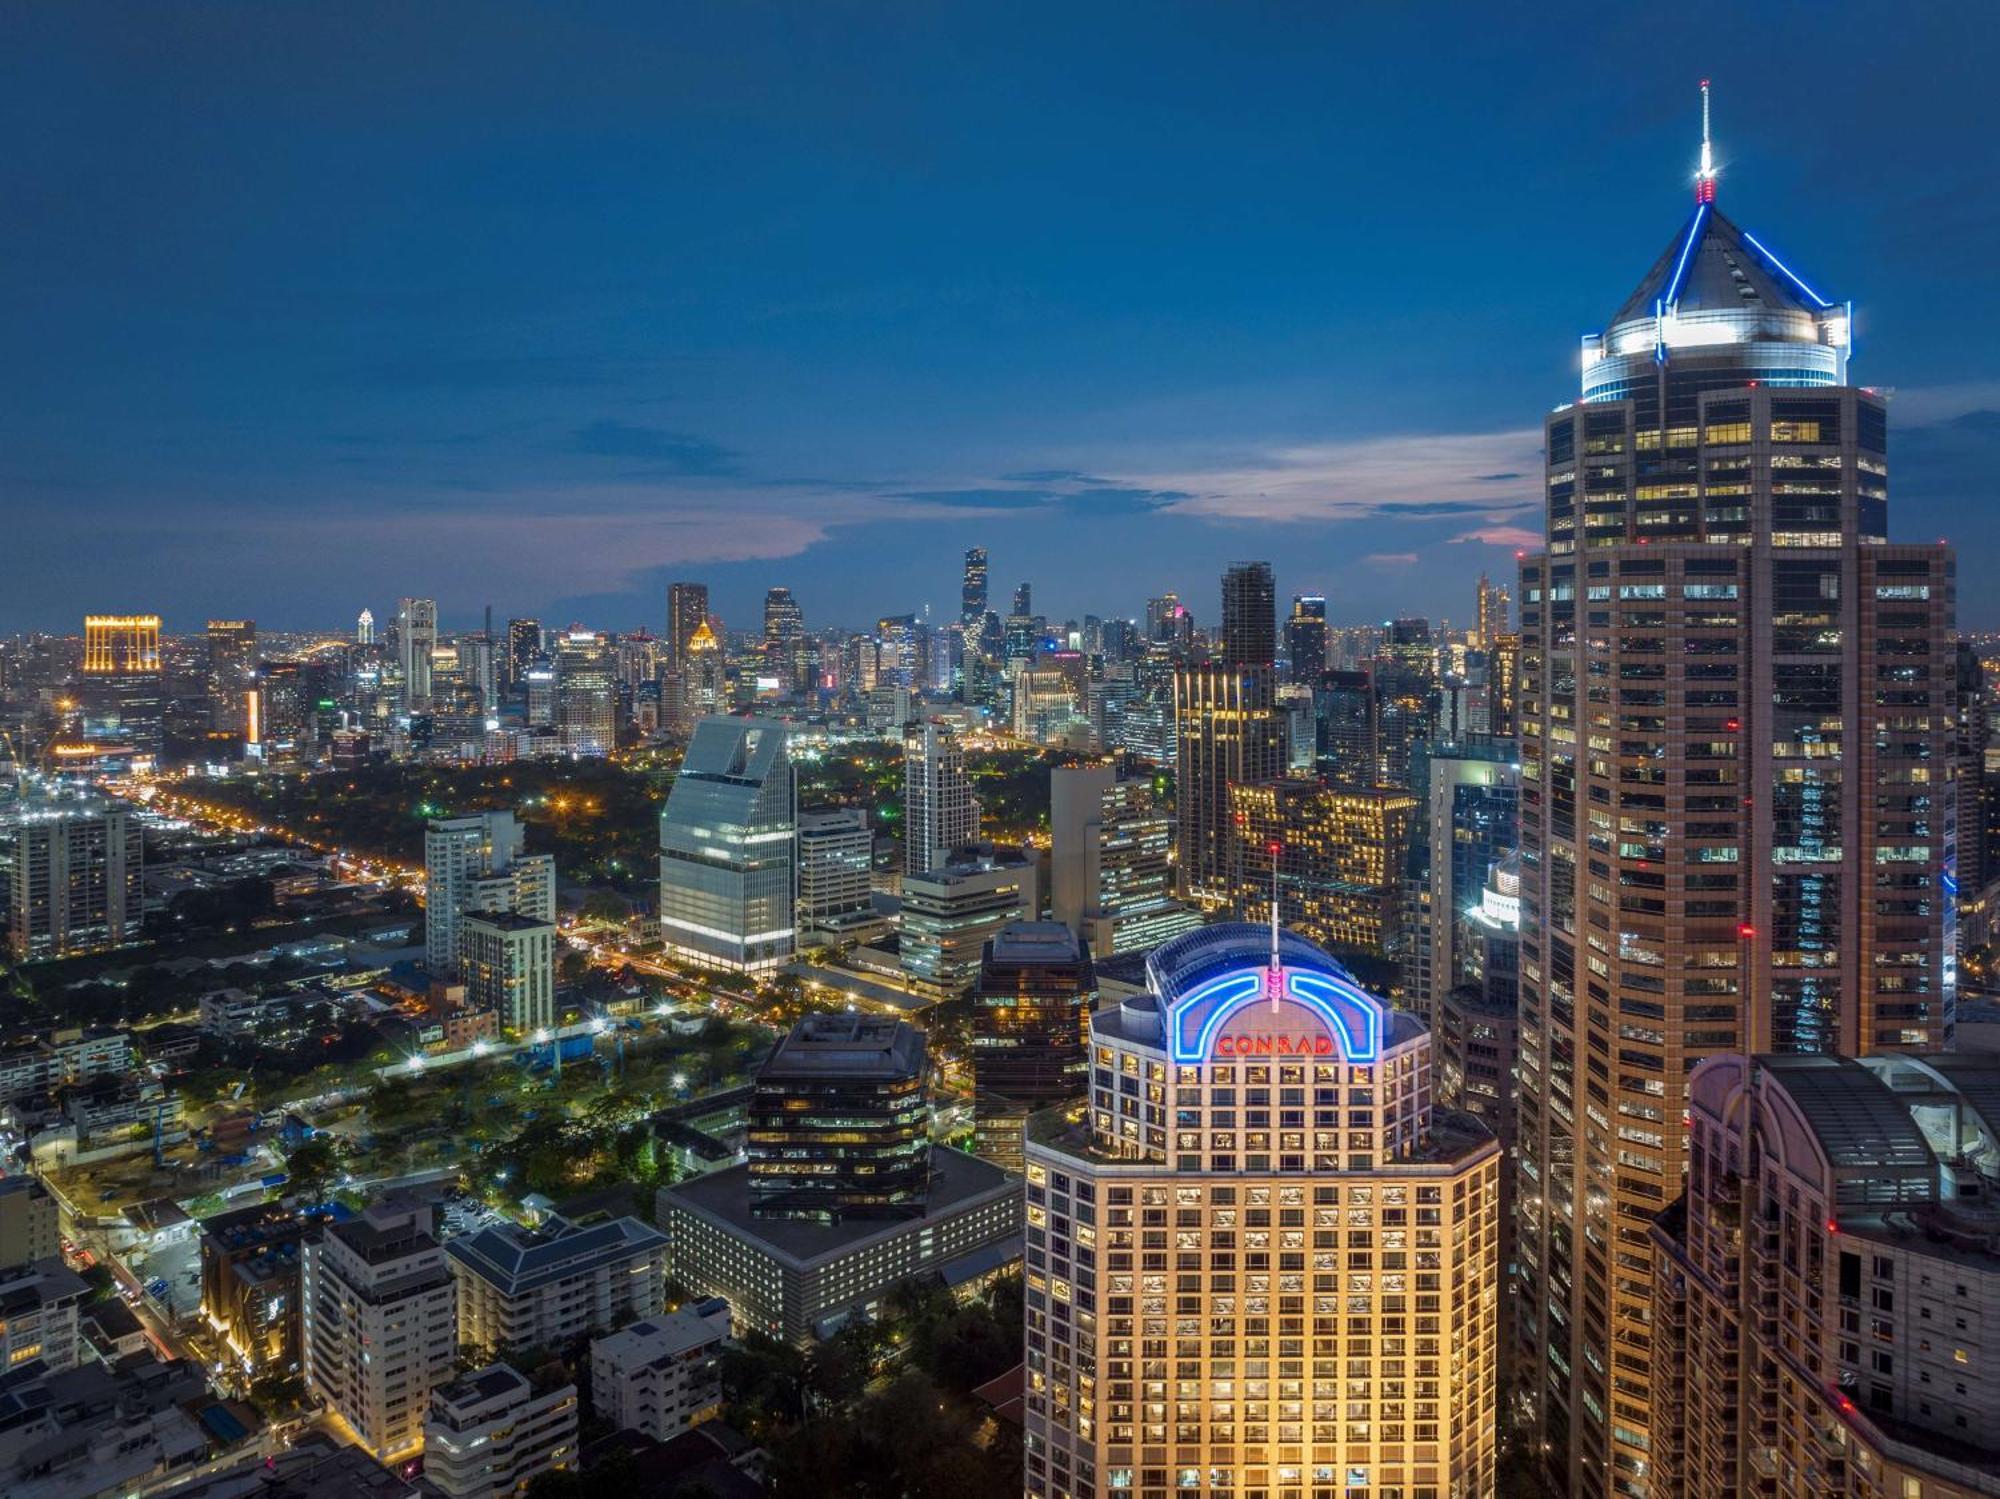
(1259,1261)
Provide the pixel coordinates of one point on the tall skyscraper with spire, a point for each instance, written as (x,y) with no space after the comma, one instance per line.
(1737,819)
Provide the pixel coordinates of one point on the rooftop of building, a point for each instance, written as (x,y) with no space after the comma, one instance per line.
(505,921)
(1451,1139)
(660,1339)
(494,1382)
(517,1260)
(1712,265)
(1034,942)
(957,1180)
(843,1044)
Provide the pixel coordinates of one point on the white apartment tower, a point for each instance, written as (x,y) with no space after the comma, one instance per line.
(476,863)
(379,1330)
(939,812)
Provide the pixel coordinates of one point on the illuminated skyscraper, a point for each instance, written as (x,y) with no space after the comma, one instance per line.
(785,642)
(1305,639)
(972,591)
(524,644)
(478,863)
(1339,853)
(704,686)
(586,694)
(1030,1030)
(1737,808)
(122,690)
(364,628)
(1490,613)
(1259,1260)
(1229,727)
(121,644)
(727,843)
(1111,873)
(687,612)
(72,870)
(939,812)
(416,638)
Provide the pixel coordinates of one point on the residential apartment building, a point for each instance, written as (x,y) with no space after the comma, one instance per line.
(542,1287)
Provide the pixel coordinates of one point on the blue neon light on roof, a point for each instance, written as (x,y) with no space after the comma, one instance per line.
(1790,275)
(1351,1013)
(1687,249)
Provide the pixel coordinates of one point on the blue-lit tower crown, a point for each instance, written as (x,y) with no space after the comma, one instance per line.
(1718,309)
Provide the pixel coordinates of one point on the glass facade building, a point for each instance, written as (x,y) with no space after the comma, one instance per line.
(727,844)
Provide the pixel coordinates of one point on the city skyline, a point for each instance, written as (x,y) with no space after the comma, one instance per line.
(553,351)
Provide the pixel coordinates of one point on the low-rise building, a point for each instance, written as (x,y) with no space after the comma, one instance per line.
(521,1287)
(492,1431)
(39,1302)
(797,1279)
(664,1374)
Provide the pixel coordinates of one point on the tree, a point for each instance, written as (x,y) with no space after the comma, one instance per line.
(313,1168)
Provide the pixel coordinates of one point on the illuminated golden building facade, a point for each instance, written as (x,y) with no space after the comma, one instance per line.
(1339,852)
(121,644)
(1230,731)
(1259,1260)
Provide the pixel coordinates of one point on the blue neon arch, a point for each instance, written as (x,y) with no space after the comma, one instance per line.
(1352,1015)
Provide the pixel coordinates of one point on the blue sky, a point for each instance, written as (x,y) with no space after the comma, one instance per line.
(306,307)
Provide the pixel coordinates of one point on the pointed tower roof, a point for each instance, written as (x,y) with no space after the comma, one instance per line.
(1715,266)
(703,638)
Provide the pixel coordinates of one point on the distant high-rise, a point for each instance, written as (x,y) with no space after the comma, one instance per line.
(972,591)
(835,861)
(1339,854)
(508,962)
(73,868)
(232,650)
(1490,612)
(939,812)
(1472,822)
(1030,1031)
(416,638)
(1305,639)
(524,644)
(122,690)
(364,628)
(278,722)
(586,694)
(1229,727)
(728,890)
(1111,875)
(1024,600)
(1737,806)
(477,863)
(839,1122)
(785,642)
(687,612)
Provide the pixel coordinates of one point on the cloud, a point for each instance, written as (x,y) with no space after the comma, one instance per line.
(1389,559)
(675,452)
(1414,476)
(980,499)
(1501,536)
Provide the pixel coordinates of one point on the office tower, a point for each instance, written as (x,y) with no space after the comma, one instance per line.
(1024,601)
(1046,706)
(586,694)
(1305,639)
(379,1331)
(1409,644)
(1406,705)
(1471,821)
(1228,727)
(1974,739)
(1823,1301)
(939,812)
(74,868)
(896,652)
(250,1285)
(1221,1308)
(364,628)
(662,1375)
(839,1122)
(524,644)
(116,645)
(232,652)
(121,692)
(1295,709)
(278,726)
(1111,877)
(1737,807)
(704,684)
(508,964)
(416,638)
(785,642)
(687,612)
(954,908)
(1503,671)
(836,859)
(972,591)
(1030,1025)
(546,1287)
(1345,729)
(1490,617)
(1249,615)
(540,683)
(27,1222)
(1339,853)
(478,863)
(1163,615)
(727,889)
(491,1431)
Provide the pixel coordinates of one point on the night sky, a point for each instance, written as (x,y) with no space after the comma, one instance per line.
(303,307)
